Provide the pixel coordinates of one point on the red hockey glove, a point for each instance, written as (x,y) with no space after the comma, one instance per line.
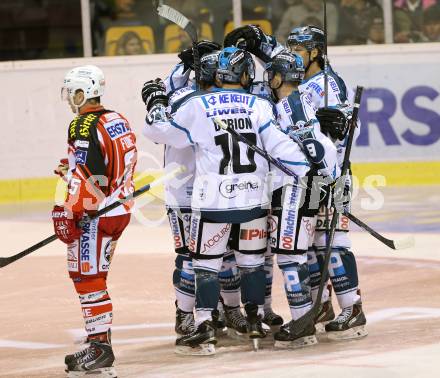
(62,168)
(64,224)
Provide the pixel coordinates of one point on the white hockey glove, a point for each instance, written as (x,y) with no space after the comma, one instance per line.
(342,192)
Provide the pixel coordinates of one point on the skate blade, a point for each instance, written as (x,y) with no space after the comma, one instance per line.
(200,350)
(297,344)
(221,332)
(349,334)
(255,344)
(271,328)
(235,335)
(320,327)
(108,372)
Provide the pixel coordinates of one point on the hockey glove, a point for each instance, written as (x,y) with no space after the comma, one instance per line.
(62,169)
(342,192)
(334,121)
(251,38)
(65,224)
(158,113)
(154,92)
(204,47)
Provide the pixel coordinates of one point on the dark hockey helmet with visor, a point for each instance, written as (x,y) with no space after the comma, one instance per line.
(288,64)
(310,37)
(208,66)
(232,63)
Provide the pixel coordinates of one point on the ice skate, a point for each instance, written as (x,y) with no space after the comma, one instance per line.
(256,330)
(271,318)
(184,322)
(285,339)
(325,313)
(95,360)
(219,321)
(236,322)
(201,342)
(350,324)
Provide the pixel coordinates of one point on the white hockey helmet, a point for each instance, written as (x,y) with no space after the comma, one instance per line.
(89,79)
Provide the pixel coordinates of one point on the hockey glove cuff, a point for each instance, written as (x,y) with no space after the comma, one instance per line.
(65,224)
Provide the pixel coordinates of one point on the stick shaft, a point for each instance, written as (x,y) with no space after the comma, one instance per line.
(8,260)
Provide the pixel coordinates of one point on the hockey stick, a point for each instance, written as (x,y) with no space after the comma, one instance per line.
(180,20)
(297,326)
(327,229)
(403,243)
(8,260)
(254,147)
(407,242)
(325,57)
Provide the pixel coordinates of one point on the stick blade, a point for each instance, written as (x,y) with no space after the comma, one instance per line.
(179,19)
(404,243)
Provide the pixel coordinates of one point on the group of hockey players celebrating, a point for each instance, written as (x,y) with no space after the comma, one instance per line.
(231,211)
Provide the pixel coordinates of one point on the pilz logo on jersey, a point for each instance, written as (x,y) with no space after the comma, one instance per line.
(80,157)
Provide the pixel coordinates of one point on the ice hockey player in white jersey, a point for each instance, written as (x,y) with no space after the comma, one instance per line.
(229,313)
(309,42)
(294,207)
(230,187)
(179,191)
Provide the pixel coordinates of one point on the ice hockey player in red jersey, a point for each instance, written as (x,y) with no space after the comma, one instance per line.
(101,160)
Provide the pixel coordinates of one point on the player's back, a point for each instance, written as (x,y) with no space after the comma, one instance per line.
(229,175)
(102,158)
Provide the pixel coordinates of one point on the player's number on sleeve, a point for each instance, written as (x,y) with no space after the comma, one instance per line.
(224,142)
(74,185)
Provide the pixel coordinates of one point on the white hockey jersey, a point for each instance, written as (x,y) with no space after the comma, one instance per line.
(297,111)
(229,175)
(338,93)
(178,191)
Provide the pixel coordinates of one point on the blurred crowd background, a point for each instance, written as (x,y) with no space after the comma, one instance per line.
(42,29)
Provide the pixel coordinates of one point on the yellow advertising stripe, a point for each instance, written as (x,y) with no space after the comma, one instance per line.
(44,189)
(400,173)
(395,173)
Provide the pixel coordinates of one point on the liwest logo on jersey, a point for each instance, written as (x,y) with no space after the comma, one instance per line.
(232,188)
(117,129)
(227,111)
(80,157)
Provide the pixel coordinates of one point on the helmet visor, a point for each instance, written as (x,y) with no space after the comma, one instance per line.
(268,75)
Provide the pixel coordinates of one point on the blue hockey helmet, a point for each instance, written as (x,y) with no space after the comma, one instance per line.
(311,37)
(232,63)
(208,67)
(288,64)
